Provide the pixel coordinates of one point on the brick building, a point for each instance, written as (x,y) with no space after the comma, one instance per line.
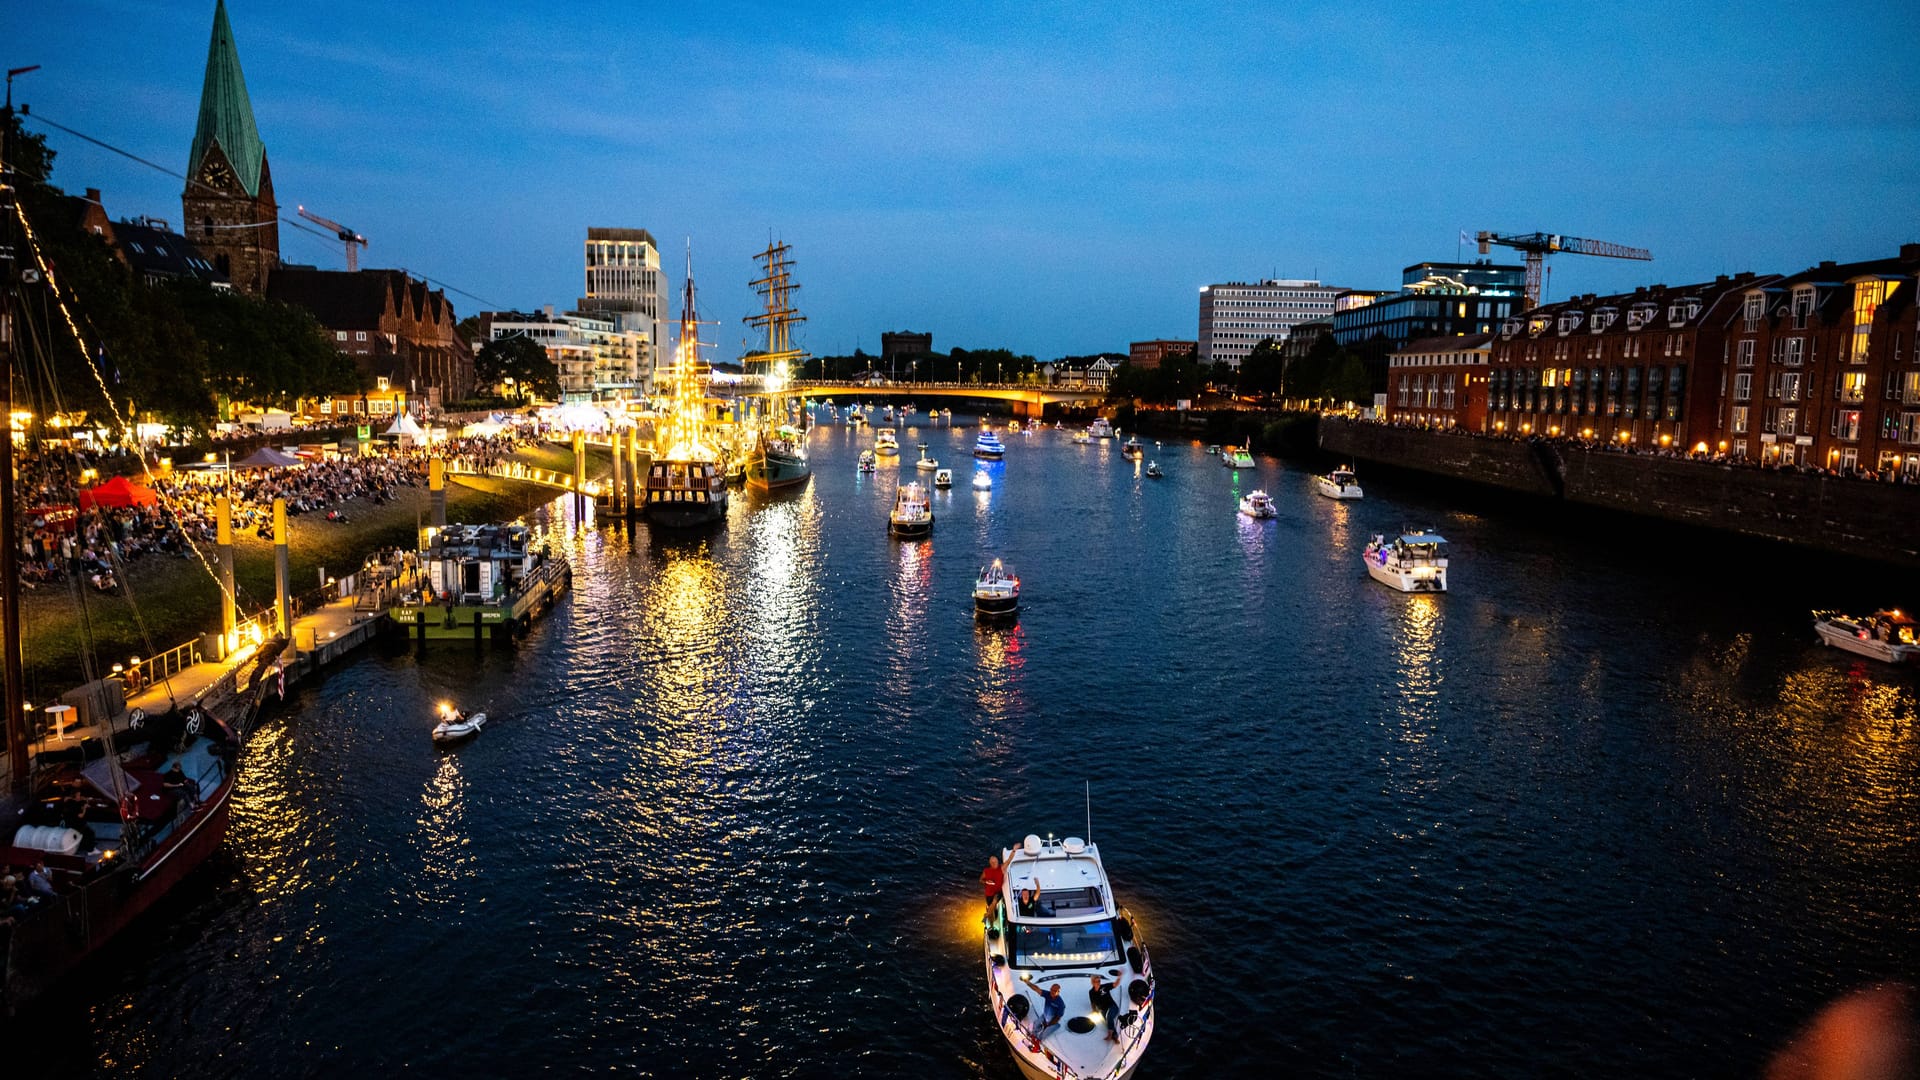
(1440,382)
(1820,369)
(1638,368)
(1148,354)
(392,325)
(147,247)
(228,208)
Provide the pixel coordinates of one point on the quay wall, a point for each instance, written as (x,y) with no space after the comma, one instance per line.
(1875,521)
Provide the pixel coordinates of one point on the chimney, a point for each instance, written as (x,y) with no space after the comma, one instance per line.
(93,195)
(1910,252)
(1826,264)
(549,311)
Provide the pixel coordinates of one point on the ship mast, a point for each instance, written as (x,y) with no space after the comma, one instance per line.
(685,417)
(776,284)
(15,723)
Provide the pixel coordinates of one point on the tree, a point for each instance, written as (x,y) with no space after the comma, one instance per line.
(520,358)
(1260,372)
(1349,382)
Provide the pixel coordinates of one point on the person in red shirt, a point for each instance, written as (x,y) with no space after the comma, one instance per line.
(994,880)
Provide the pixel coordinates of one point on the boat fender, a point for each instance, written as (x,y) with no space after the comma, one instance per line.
(1138,991)
(999,961)
(1135,959)
(993,934)
(1125,930)
(1018,1006)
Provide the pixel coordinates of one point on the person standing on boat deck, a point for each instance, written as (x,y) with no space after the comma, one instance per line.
(1052,1005)
(994,880)
(1100,996)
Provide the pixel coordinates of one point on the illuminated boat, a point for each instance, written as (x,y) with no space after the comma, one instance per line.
(867,463)
(943,478)
(1055,924)
(1257,504)
(456,726)
(686,485)
(1132,449)
(1082,438)
(1100,429)
(912,513)
(778,458)
(982,482)
(996,592)
(1153,470)
(481,581)
(988,445)
(1338,484)
(1887,635)
(1413,562)
(1236,457)
(886,443)
(926,464)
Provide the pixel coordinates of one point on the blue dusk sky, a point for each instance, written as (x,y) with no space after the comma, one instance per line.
(1049,177)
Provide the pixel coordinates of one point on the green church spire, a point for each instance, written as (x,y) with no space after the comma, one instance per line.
(226,116)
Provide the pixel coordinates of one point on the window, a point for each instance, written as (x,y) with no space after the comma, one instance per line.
(1794,352)
(136,247)
(1743,353)
(1740,419)
(1743,387)
(1074,945)
(339,335)
(1789,386)
(1755,308)
(1910,428)
(1850,386)
(359,335)
(1867,298)
(1846,424)
(1802,306)
(1786,421)
(206,226)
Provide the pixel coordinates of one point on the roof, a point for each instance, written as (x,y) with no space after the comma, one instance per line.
(152,250)
(1457,343)
(226,114)
(1423,538)
(641,236)
(340,299)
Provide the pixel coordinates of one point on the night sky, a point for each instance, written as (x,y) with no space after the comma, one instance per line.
(1052,178)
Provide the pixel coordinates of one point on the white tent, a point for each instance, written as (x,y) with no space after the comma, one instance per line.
(405,428)
(488,428)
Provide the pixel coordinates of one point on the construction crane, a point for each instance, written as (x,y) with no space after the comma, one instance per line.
(354,241)
(1538,245)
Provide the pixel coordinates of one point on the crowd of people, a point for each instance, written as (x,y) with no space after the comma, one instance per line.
(57,539)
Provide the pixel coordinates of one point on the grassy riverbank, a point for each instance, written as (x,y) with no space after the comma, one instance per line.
(178,599)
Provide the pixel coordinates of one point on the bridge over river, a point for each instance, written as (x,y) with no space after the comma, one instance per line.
(1029,399)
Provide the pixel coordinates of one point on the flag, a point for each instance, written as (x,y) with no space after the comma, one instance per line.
(280,669)
(1464,238)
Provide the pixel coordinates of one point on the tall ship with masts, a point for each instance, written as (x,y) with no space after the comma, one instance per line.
(687,484)
(777,457)
(105,814)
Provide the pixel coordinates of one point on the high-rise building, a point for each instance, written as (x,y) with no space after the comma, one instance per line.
(624,283)
(1436,299)
(228,203)
(1235,316)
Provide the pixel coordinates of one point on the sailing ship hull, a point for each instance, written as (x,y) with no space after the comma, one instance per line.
(687,515)
(773,471)
(45,947)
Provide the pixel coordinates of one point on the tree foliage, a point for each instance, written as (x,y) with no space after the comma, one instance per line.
(520,358)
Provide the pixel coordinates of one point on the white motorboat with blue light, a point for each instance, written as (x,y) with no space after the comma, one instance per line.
(988,445)
(982,482)
(1411,562)
(1338,484)
(1056,926)
(1257,504)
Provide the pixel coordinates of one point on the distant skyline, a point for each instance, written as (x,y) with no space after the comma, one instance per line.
(1055,180)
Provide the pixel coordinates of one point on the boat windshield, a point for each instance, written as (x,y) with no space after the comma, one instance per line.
(1069,945)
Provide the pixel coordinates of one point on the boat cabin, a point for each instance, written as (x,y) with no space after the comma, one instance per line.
(477,564)
(684,481)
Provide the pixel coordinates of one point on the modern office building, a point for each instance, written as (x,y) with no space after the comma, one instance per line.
(625,284)
(1436,299)
(597,360)
(1236,315)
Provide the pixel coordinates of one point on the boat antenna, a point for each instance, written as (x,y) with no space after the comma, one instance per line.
(1089,795)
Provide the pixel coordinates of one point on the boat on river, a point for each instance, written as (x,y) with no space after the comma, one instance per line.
(912,513)
(943,478)
(1082,438)
(867,463)
(988,445)
(996,592)
(1055,923)
(1338,484)
(982,482)
(778,458)
(886,443)
(1132,449)
(1153,470)
(1236,457)
(1411,562)
(1257,504)
(456,726)
(481,581)
(1100,428)
(925,464)
(1887,635)
(686,484)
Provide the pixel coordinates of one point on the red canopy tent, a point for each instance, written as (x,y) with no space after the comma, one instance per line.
(118,492)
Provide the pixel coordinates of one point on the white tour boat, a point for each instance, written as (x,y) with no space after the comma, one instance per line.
(1055,924)
(1886,635)
(988,445)
(996,592)
(912,513)
(1100,429)
(886,443)
(1338,484)
(455,725)
(1413,562)
(1257,504)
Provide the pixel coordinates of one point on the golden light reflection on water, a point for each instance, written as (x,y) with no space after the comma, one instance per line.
(1002,650)
(910,589)
(444,834)
(1416,655)
(272,815)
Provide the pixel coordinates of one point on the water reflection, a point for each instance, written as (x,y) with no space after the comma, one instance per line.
(445,859)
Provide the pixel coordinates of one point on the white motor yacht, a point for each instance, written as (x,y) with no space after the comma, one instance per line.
(1100,428)
(996,592)
(1413,562)
(886,443)
(1886,635)
(912,513)
(1056,924)
(1338,484)
(943,478)
(1256,504)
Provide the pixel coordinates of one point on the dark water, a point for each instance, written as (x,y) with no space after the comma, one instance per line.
(1604,809)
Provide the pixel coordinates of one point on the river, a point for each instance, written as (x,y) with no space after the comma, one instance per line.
(1605,808)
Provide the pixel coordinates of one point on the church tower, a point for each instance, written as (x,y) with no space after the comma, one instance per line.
(228,205)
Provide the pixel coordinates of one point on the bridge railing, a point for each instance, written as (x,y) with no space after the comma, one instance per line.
(804,385)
